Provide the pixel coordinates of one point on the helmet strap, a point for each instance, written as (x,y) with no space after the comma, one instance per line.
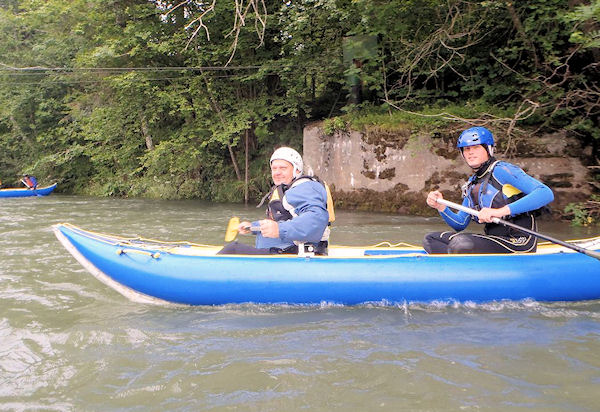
(484,167)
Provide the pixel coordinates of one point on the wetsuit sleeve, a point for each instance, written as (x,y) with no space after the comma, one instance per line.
(536,193)
(309,200)
(457,221)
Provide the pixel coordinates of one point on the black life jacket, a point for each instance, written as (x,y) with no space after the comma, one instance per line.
(478,191)
(279,210)
(276,210)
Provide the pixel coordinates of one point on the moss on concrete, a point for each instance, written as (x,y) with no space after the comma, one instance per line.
(558,180)
(387,174)
(397,200)
(438,179)
(444,144)
(381,139)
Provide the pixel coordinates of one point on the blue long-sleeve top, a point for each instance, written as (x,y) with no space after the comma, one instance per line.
(309,200)
(536,196)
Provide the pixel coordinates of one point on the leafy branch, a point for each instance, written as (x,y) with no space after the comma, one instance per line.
(526,109)
(244,9)
(443,49)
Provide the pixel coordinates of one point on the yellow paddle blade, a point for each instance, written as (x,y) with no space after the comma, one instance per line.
(232,229)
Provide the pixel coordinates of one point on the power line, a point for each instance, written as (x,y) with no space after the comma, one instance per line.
(101,80)
(9,74)
(6,68)
(41,69)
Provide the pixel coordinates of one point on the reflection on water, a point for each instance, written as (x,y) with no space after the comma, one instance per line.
(68,342)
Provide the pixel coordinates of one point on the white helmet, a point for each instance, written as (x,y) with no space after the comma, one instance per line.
(289,155)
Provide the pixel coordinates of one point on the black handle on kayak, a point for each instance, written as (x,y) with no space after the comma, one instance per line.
(591,253)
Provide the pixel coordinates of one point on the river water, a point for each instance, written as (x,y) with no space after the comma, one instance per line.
(70,343)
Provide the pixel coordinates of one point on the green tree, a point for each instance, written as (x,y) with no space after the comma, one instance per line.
(187,99)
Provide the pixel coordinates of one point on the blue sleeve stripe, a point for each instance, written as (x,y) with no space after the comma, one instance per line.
(457,221)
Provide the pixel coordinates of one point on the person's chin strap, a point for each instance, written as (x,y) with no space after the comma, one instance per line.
(483,168)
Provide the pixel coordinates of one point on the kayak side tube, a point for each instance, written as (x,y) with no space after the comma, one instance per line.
(160,272)
(24,192)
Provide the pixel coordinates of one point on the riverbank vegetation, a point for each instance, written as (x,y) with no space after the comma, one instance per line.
(181,99)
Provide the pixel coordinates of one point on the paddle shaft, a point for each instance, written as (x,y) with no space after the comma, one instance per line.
(591,253)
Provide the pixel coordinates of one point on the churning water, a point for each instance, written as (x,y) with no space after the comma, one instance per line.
(70,343)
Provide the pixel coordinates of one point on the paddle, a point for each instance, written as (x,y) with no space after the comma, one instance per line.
(591,253)
(30,188)
(232,229)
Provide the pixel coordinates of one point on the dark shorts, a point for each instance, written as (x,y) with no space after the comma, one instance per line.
(452,242)
(236,248)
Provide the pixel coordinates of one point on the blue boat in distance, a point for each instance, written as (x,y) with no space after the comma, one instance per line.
(153,271)
(24,192)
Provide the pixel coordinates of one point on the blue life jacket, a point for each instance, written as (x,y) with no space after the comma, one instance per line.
(484,190)
(497,184)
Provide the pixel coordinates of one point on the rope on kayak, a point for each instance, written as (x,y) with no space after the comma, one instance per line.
(115,240)
(587,243)
(399,244)
(141,252)
(591,242)
(170,244)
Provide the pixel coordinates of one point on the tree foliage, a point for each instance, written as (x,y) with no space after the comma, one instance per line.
(186,98)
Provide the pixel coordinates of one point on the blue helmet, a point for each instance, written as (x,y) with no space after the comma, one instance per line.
(475,136)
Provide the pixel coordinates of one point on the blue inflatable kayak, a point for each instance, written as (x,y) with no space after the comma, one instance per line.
(187,273)
(24,192)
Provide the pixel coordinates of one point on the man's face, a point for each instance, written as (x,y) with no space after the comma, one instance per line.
(475,156)
(282,172)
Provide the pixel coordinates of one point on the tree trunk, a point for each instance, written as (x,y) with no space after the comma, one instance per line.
(234,161)
(217,109)
(146,133)
(17,128)
(521,30)
(246,170)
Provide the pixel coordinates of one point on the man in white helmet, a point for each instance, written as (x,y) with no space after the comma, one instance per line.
(296,211)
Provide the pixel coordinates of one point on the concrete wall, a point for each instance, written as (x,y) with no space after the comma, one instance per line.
(380,161)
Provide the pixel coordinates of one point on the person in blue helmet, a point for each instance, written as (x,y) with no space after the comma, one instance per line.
(496,189)
(297,211)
